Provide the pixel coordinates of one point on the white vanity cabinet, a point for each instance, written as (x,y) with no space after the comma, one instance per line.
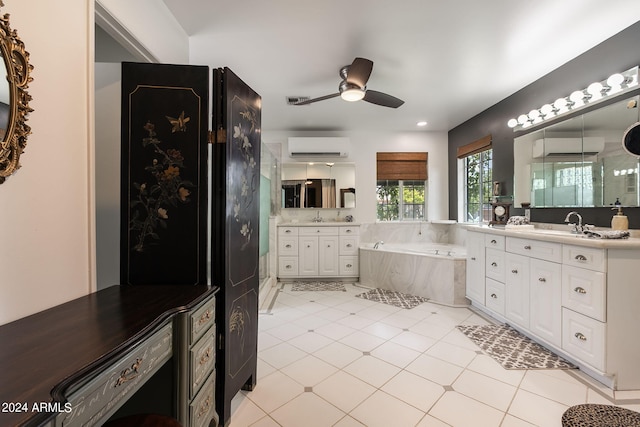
(475,267)
(318,251)
(579,297)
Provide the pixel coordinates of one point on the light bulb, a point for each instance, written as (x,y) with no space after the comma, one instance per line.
(595,90)
(615,80)
(547,110)
(352,95)
(522,119)
(560,104)
(512,123)
(577,96)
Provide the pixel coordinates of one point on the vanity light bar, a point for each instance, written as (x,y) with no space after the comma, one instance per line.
(614,85)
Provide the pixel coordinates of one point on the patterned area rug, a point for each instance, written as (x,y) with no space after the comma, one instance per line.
(394,298)
(318,286)
(512,349)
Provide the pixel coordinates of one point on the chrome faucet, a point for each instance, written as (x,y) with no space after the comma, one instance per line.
(318,218)
(378,243)
(576,228)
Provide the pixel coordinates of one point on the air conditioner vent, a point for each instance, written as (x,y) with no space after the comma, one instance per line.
(318,147)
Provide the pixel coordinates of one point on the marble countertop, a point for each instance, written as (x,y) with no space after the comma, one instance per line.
(560,236)
(319,224)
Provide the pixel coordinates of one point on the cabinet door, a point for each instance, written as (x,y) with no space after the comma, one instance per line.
(546,300)
(308,256)
(328,256)
(517,289)
(475,267)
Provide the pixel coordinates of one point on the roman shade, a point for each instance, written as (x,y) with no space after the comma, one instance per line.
(402,166)
(475,147)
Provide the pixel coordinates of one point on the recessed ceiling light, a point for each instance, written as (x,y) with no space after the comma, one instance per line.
(421,123)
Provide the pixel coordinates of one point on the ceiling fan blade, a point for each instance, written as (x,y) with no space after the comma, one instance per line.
(379,98)
(359,72)
(322,98)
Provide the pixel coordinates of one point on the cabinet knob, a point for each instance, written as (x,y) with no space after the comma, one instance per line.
(542,279)
(287,246)
(349,265)
(328,246)
(580,290)
(473,258)
(527,247)
(347,230)
(514,271)
(287,231)
(494,296)
(288,266)
(580,336)
(317,231)
(494,264)
(493,241)
(349,245)
(308,246)
(580,258)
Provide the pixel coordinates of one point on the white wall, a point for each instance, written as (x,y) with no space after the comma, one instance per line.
(364,146)
(149,25)
(46,214)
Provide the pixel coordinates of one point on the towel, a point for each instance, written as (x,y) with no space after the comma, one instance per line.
(608,234)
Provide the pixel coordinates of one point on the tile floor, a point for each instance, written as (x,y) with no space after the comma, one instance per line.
(329,359)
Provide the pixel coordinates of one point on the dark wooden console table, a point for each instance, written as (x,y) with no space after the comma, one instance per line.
(47,356)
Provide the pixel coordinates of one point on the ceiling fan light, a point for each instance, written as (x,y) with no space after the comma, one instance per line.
(352,95)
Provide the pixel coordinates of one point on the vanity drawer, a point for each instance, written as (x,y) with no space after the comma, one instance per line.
(493,241)
(288,246)
(540,249)
(314,231)
(348,266)
(202,319)
(494,298)
(94,401)
(348,245)
(584,291)
(580,256)
(201,361)
(202,409)
(583,338)
(287,231)
(494,264)
(349,231)
(287,266)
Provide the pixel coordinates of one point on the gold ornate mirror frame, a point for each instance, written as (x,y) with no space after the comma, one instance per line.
(16,61)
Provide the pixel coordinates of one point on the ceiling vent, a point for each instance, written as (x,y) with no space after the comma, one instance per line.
(294,100)
(318,147)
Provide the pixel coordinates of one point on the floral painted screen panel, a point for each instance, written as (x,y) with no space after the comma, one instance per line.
(235,234)
(164,174)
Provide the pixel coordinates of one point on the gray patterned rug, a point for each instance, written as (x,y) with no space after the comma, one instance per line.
(397,299)
(512,349)
(318,286)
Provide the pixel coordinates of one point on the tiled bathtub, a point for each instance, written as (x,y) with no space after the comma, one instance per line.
(431,270)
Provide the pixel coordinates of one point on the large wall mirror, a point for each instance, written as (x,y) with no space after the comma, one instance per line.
(14,98)
(580,162)
(318,185)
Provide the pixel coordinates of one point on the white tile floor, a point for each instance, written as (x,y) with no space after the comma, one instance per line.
(331,359)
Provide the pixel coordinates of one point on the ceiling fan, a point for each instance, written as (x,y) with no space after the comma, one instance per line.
(353,86)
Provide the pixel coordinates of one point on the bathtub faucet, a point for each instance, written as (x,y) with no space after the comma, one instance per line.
(378,243)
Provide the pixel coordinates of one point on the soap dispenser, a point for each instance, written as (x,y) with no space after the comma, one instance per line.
(619,221)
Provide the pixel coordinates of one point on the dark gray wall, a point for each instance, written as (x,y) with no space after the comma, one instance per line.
(616,54)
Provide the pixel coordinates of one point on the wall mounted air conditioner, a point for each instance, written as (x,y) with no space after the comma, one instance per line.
(318,147)
(567,146)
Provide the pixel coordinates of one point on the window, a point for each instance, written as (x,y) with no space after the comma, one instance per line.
(477,174)
(401,200)
(401,186)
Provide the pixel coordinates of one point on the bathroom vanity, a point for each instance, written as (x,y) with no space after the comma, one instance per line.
(80,362)
(318,250)
(578,296)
